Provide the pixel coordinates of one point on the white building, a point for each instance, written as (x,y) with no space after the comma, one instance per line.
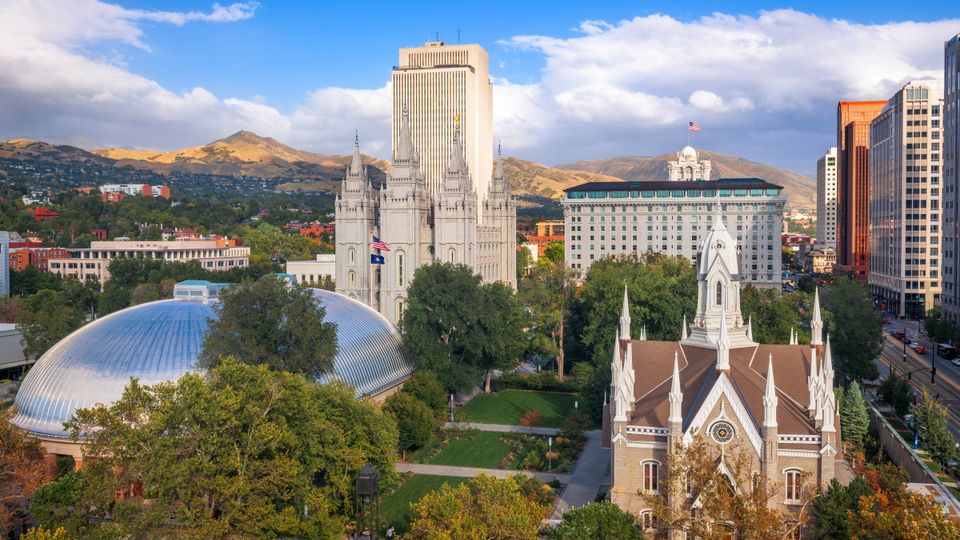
(136,189)
(604,219)
(951,180)
(420,227)
(904,210)
(314,272)
(4,263)
(94,262)
(827,199)
(11,346)
(440,84)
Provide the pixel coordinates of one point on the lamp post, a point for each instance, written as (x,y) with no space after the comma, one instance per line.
(451,407)
(549,453)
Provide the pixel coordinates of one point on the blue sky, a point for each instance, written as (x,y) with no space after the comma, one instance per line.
(573,80)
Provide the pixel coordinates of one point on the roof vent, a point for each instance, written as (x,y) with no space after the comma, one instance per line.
(195,289)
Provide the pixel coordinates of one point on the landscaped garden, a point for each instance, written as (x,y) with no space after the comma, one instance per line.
(491,450)
(510,406)
(395,506)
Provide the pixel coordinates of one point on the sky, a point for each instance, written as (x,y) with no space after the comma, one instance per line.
(572,80)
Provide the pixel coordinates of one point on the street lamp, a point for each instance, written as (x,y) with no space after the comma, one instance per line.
(451,407)
(549,453)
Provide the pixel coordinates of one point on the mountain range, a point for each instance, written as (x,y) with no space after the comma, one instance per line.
(246,154)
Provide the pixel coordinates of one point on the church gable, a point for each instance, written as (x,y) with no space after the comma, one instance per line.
(722,403)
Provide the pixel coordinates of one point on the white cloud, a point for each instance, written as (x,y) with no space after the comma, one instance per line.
(762,86)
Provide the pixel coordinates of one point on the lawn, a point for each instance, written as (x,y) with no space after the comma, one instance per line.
(470,448)
(395,507)
(509,406)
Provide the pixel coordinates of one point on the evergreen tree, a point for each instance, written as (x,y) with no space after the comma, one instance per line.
(854,418)
(832,511)
(931,424)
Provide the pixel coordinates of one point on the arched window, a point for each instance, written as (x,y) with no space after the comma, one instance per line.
(400,280)
(452,255)
(352,278)
(719,293)
(792,485)
(353,255)
(400,306)
(651,471)
(648,521)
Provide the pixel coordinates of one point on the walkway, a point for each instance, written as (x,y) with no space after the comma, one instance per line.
(590,472)
(502,428)
(468,472)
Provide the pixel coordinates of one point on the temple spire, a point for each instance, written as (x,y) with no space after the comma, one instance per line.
(405,150)
(356,165)
(816,324)
(683,329)
(750,328)
(643,333)
(723,344)
(813,404)
(500,173)
(676,396)
(456,164)
(770,398)
(616,366)
(827,371)
(625,316)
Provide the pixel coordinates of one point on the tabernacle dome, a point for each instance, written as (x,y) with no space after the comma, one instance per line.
(160,341)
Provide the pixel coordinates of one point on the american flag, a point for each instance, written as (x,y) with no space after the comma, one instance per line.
(693,126)
(379,244)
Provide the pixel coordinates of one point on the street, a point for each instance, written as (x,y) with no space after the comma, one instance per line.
(947,384)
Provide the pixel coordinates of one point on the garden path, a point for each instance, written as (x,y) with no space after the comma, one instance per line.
(502,428)
(468,472)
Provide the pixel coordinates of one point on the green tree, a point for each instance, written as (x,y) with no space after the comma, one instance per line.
(857,331)
(21,472)
(60,504)
(267,241)
(47,317)
(438,323)
(500,323)
(524,258)
(30,280)
(854,418)
(598,521)
(896,391)
(931,424)
(267,322)
(244,452)
(554,253)
(776,314)
(416,421)
(546,293)
(484,507)
(833,510)
(425,386)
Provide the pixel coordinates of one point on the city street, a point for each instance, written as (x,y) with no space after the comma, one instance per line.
(947,384)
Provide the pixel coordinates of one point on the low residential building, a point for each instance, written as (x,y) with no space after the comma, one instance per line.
(820,261)
(314,272)
(26,254)
(604,219)
(214,254)
(547,232)
(116,192)
(4,264)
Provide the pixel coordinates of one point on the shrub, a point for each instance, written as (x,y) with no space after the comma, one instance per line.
(574,425)
(415,420)
(425,386)
(530,419)
(545,380)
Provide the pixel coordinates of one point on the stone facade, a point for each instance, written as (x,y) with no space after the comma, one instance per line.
(771,405)
(420,227)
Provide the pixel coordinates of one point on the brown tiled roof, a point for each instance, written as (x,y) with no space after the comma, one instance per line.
(653,363)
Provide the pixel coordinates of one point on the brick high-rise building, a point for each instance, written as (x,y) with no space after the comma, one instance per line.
(853,181)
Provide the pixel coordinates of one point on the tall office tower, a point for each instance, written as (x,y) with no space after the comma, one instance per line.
(904,255)
(853,183)
(439,85)
(4,263)
(951,180)
(827,199)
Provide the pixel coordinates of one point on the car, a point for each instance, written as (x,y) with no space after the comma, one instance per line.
(919,349)
(899,334)
(956,362)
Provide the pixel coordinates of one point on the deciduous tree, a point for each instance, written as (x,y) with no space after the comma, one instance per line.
(856,332)
(546,294)
(47,317)
(598,521)
(21,472)
(500,323)
(268,322)
(416,421)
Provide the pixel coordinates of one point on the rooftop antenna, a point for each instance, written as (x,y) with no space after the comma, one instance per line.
(438,37)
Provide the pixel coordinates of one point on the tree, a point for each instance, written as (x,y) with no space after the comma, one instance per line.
(554,253)
(745,510)
(244,452)
(47,317)
(40,533)
(500,323)
(267,322)
(416,421)
(776,314)
(21,472)
(425,386)
(833,511)
(545,293)
(599,521)
(896,391)
(10,309)
(857,331)
(438,322)
(484,507)
(854,418)
(894,512)
(267,241)
(524,258)
(60,504)
(931,425)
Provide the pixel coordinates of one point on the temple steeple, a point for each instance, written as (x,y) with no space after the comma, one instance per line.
(826,374)
(625,316)
(405,150)
(683,329)
(816,324)
(750,328)
(770,398)
(356,164)
(676,396)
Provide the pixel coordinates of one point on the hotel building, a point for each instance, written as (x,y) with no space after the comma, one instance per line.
(827,199)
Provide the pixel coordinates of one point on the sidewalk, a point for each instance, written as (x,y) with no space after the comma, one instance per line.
(591,471)
(469,472)
(502,428)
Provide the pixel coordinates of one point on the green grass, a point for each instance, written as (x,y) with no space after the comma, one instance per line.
(479,449)
(509,406)
(395,507)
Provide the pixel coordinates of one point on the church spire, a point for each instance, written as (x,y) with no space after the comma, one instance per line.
(816,324)
(615,364)
(770,398)
(499,173)
(676,396)
(683,329)
(456,164)
(356,165)
(750,328)
(827,372)
(793,336)
(723,344)
(405,150)
(813,380)
(625,315)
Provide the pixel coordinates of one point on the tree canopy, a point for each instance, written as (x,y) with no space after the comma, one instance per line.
(931,423)
(854,418)
(246,451)
(21,472)
(545,293)
(47,317)
(856,336)
(597,521)
(268,322)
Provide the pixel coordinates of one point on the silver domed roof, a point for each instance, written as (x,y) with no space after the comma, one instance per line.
(160,341)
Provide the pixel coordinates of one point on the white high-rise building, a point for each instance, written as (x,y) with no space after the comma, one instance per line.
(951,179)
(440,85)
(827,199)
(905,214)
(4,263)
